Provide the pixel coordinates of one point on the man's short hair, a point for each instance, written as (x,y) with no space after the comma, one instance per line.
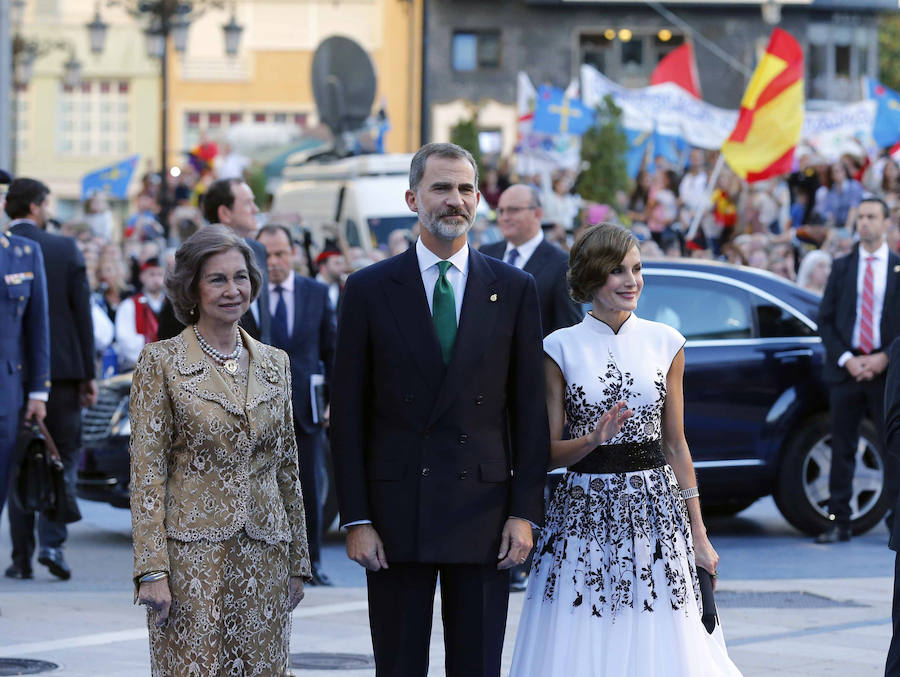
(272,228)
(220,193)
(445,150)
(885,210)
(22,194)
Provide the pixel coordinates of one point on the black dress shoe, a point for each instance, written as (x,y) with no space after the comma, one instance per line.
(53,559)
(15,571)
(319,578)
(834,535)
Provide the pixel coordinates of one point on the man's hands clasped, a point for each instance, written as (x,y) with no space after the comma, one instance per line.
(866,367)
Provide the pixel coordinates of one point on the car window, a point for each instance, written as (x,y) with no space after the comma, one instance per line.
(776,322)
(699,309)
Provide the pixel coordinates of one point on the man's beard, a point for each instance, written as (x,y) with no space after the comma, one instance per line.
(444,230)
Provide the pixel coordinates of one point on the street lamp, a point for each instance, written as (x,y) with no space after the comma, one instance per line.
(771,12)
(163,18)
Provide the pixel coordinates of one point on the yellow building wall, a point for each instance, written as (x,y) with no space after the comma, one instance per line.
(268,76)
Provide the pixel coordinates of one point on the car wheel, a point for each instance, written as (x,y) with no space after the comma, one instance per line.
(802,492)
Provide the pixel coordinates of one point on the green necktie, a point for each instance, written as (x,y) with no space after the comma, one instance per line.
(444,311)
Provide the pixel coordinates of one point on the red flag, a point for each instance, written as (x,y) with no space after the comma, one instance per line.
(678,66)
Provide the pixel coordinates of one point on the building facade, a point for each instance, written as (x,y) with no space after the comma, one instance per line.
(475,49)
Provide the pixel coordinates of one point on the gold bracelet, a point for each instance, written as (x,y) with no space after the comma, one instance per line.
(153,576)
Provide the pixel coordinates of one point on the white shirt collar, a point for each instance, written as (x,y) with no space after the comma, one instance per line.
(881,253)
(427,258)
(526,249)
(287,285)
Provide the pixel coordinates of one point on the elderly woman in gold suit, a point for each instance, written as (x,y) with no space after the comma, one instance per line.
(220,550)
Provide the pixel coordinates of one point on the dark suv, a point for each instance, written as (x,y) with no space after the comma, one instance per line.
(756,410)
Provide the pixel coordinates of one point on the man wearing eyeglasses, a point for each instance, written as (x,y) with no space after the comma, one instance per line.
(519,218)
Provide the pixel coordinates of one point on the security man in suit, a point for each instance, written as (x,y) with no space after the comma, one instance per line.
(73,385)
(24,344)
(857,326)
(519,219)
(304,326)
(230,202)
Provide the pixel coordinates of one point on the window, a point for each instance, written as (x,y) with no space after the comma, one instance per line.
(475,51)
(625,55)
(94,118)
(699,309)
(595,49)
(776,322)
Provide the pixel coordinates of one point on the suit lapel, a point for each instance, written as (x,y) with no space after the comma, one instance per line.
(262,381)
(299,306)
(890,290)
(535,262)
(409,305)
(481,302)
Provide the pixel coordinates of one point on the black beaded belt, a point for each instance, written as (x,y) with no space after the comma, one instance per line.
(628,457)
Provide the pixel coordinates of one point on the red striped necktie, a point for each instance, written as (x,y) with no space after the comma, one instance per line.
(867,312)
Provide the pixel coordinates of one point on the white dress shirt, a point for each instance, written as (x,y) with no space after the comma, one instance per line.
(457,273)
(128,342)
(879,283)
(288,294)
(526,249)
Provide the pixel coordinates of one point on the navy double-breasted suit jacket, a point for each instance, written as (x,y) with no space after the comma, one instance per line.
(438,457)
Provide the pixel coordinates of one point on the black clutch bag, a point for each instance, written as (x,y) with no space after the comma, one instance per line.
(710,617)
(40,485)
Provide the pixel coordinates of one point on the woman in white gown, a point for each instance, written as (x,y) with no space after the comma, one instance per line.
(613,589)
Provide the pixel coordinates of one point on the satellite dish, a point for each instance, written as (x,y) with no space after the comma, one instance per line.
(343,80)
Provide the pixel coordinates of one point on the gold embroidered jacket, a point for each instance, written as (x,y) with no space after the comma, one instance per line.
(204,464)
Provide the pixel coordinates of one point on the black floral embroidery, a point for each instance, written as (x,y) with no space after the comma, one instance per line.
(645,424)
(616,542)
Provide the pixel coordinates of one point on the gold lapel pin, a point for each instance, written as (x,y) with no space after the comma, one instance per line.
(493,297)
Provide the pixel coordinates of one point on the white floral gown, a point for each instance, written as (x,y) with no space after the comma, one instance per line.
(613,590)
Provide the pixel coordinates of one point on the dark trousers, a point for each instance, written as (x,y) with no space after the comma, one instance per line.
(474,601)
(314,482)
(64,425)
(9,431)
(892,668)
(850,403)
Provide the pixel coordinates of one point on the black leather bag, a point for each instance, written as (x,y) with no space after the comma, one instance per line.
(40,484)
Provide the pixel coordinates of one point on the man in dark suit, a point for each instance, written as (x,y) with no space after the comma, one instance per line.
(230,202)
(892,444)
(857,324)
(439,429)
(303,325)
(519,219)
(71,367)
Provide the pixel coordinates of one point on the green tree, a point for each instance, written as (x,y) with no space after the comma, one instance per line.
(465,134)
(889,50)
(603,149)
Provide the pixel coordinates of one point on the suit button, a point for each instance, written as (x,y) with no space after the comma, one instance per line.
(464,474)
(463,438)
(427,434)
(479,399)
(426,472)
(408,399)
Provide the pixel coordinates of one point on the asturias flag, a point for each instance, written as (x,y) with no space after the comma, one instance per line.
(557,113)
(886,130)
(112,180)
(771,116)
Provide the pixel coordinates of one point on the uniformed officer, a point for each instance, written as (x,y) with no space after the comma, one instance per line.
(24,344)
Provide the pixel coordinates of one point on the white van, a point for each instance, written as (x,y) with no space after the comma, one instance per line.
(363,194)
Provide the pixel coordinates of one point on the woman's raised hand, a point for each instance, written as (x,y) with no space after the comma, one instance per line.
(609,425)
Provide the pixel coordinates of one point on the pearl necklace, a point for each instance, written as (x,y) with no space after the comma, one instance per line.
(229,361)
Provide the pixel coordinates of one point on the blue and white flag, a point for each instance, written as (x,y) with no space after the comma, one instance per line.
(113,180)
(886,129)
(558,113)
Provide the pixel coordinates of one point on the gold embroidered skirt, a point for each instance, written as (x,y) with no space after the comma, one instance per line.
(229,611)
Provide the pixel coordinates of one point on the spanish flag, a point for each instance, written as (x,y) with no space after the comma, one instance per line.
(771,116)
